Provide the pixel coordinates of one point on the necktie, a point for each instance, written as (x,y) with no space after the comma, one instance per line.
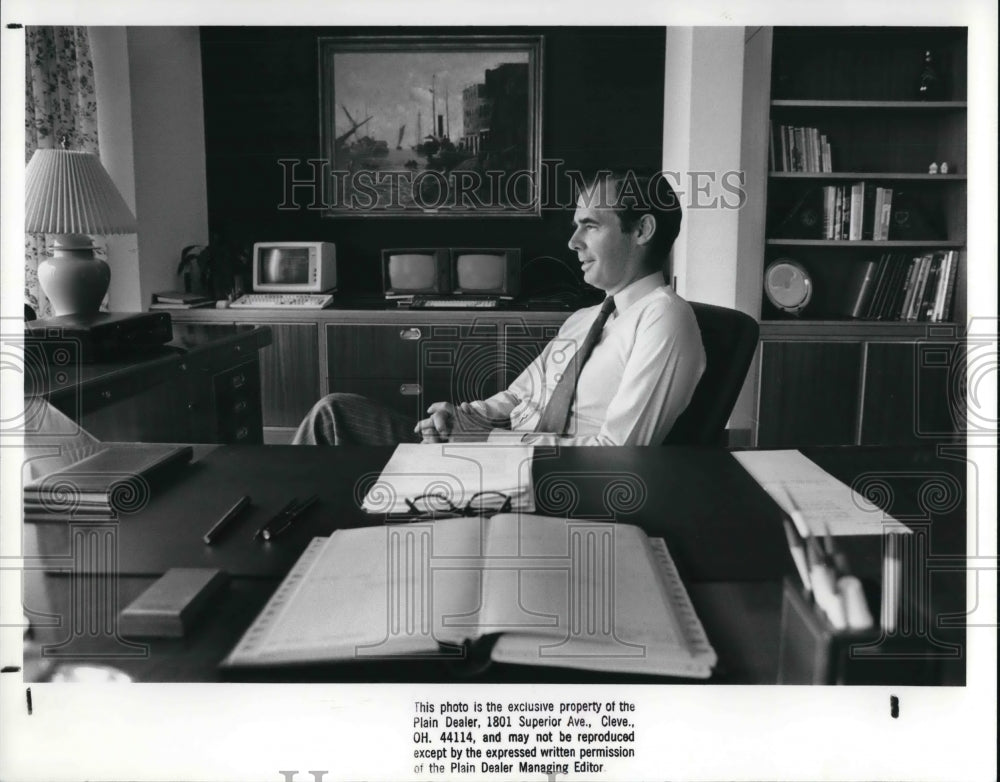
(556,414)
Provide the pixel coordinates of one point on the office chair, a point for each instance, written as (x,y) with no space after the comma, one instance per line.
(730,339)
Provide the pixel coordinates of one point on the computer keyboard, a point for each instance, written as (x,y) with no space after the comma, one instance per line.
(461,302)
(281,301)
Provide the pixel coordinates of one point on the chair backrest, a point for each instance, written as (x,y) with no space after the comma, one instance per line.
(730,339)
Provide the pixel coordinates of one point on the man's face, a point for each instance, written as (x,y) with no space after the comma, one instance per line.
(610,257)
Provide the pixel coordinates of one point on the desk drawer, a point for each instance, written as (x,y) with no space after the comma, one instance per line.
(236,404)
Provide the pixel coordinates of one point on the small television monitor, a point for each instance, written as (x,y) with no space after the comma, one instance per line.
(487,272)
(416,272)
(294,267)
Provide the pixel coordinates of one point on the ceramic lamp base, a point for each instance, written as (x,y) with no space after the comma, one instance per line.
(73,279)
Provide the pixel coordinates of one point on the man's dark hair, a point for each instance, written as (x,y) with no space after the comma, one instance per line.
(634,193)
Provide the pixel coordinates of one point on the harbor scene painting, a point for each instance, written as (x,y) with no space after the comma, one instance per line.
(442,125)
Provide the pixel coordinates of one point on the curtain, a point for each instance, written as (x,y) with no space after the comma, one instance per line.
(60,101)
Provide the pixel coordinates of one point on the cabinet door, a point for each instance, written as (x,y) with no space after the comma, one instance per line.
(914,392)
(408,366)
(289,372)
(809,393)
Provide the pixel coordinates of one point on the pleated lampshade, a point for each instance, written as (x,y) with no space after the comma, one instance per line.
(69,192)
(70,195)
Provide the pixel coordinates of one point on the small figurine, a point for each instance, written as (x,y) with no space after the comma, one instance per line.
(931,86)
(933,168)
(944,168)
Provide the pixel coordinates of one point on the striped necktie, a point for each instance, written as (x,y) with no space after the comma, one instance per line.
(555,417)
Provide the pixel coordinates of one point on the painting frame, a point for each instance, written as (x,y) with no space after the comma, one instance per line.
(482,158)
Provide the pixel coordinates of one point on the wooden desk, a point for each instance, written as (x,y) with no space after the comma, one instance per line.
(202,387)
(724,533)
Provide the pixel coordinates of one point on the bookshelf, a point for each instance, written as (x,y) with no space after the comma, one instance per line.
(859,88)
(832,373)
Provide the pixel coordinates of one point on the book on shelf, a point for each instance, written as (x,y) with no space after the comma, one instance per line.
(861,288)
(948,297)
(897,289)
(115,479)
(880,287)
(799,149)
(514,584)
(918,287)
(909,287)
(856,228)
(926,308)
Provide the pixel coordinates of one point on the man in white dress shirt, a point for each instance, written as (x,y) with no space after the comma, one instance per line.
(641,370)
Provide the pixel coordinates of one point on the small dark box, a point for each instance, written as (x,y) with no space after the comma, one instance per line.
(172,603)
(106,336)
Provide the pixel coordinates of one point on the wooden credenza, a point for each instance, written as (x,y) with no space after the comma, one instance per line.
(872,384)
(405,359)
(204,387)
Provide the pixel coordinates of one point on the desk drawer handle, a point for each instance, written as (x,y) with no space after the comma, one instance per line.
(242,432)
(240,406)
(410,389)
(105,394)
(410,334)
(239,380)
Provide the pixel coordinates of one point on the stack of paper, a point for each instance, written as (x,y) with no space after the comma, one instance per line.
(456,474)
(804,490)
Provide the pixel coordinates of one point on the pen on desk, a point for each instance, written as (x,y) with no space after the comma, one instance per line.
(287,509)
(798,553)
(284,520)
(220,526)
(849,587)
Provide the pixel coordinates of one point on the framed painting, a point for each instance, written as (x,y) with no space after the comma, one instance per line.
(431,125)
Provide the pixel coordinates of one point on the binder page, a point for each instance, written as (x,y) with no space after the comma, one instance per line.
(455,471)
(586,595)
(823,501)
(369,593)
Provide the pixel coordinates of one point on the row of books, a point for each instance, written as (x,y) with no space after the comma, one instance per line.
(897,287)
(849,214)
(800,149)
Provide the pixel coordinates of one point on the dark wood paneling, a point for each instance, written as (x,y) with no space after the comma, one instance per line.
(261,97)
(910,393)
(808,393)
(289,372)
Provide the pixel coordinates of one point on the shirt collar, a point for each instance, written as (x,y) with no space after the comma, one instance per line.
(634,291)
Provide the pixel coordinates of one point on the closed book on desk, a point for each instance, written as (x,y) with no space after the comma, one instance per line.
(116,479)
(545,591)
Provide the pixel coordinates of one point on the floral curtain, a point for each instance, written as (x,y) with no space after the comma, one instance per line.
(59,101)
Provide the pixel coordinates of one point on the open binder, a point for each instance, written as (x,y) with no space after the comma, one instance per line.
(547,591)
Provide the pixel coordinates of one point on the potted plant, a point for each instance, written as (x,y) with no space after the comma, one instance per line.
(217,269)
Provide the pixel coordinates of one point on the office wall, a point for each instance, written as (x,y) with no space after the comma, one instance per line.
(602,105)
(168,135)
(151,132)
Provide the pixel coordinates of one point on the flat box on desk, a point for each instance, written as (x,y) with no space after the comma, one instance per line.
(812,651)
(106,336)
(172,603)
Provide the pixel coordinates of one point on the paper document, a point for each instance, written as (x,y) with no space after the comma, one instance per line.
(453,473)
(823,501)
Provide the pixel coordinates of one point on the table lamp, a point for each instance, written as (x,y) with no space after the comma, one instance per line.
(69,194)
